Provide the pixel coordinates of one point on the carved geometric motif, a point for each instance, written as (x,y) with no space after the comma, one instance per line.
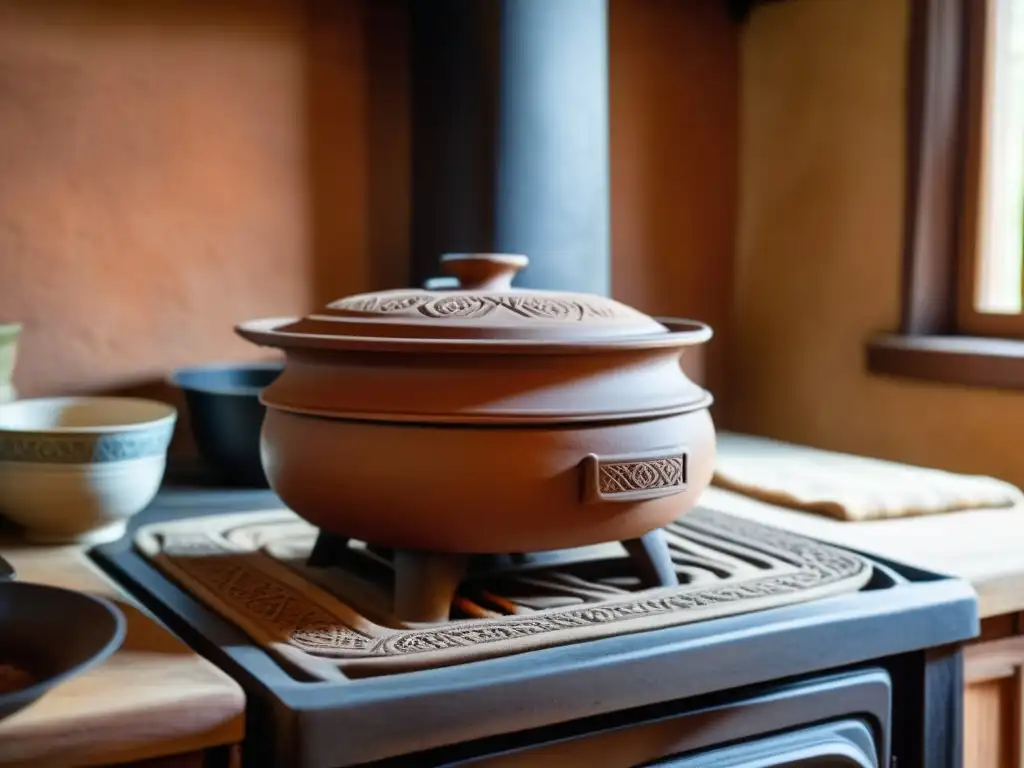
(269,601)
(631,476)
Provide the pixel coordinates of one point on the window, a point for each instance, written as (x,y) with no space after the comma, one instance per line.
(989,296)
(963,289)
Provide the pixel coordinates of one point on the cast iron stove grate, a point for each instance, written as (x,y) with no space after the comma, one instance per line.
(340,621)
(523,583)
(426,585)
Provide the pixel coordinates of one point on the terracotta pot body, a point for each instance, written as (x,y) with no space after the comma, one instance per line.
(484,419)
(450,387)
(488,489)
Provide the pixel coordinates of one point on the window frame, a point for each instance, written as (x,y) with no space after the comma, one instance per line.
(980,63)
(941,336)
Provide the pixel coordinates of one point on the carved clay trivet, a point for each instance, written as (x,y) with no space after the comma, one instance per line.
(250,568)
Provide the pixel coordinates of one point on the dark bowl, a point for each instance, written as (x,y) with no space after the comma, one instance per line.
(53,634)
(226,415)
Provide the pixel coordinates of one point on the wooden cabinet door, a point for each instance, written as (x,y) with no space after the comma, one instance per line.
(994,680)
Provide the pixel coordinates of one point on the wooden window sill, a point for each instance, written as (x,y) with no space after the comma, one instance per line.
(965,360)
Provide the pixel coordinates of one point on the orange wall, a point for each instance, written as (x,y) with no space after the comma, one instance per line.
(819,253)
(170,168)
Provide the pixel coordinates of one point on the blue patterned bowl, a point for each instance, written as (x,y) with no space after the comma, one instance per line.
(74,469)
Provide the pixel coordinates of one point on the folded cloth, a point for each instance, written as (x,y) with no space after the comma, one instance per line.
(848,487)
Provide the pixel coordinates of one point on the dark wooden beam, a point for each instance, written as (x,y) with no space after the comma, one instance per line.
(935,149)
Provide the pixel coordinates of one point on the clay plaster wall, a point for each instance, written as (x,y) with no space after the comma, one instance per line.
(169,168)
(818,257)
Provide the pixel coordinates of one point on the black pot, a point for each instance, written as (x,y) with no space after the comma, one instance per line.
(226,415)
(53,634)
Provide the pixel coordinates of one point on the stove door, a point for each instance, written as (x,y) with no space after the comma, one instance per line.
(837,721)
(846,744)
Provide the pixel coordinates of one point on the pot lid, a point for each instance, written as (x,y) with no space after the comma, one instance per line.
(484,306)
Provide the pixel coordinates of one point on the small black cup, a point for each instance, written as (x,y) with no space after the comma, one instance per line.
(226,415)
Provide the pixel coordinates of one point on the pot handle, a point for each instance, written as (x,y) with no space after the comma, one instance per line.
(477,272)
(484,271)
(634,477)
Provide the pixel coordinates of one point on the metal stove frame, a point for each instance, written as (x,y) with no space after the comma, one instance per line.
(906,621)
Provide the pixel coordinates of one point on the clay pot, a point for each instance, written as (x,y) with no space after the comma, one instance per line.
(484,489)
(9,335)
(484,419)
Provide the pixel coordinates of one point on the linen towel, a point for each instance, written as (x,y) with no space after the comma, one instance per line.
(845,487)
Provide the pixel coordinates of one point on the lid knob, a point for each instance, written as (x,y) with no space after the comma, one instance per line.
(484,271)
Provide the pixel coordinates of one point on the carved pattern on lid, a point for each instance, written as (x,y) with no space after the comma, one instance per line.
(465,305)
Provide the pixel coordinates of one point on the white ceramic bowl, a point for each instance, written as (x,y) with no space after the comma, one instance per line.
(74,469)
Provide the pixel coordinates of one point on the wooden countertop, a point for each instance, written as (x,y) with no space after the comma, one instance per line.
(154,697)
(986,546)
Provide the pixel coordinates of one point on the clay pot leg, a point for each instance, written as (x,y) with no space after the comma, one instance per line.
(329,549)
(425,584)
(652,559)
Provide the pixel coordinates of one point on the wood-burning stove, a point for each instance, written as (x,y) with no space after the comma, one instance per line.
(865,677)
(510,154)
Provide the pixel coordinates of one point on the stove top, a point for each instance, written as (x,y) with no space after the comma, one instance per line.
(334,677)
(320,623)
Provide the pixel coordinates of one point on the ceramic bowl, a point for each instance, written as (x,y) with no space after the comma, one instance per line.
(225,414)
(9,335)
(53,634)
(76,469)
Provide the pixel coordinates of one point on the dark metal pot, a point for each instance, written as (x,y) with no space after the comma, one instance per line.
(226,415)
